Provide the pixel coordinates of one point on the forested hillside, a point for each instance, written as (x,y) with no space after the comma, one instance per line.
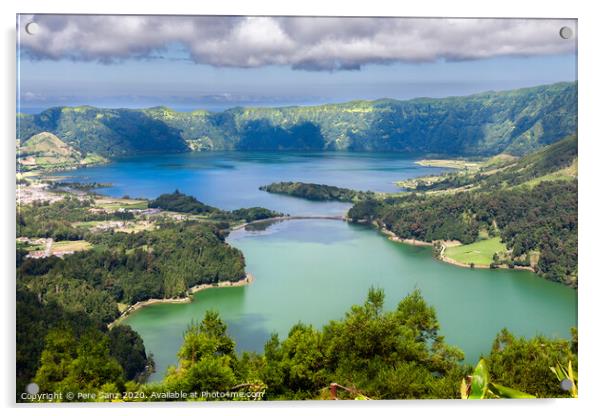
(515,122)
(65,302)
(530,203)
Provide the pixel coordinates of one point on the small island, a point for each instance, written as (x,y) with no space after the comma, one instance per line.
(317,192)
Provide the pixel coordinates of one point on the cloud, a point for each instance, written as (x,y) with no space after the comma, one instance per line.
(309,43)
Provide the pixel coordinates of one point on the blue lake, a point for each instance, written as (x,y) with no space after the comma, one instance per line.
(230,180)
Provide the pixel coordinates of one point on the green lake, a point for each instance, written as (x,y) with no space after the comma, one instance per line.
(314,270)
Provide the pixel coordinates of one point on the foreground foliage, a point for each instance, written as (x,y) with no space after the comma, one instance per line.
(480,386)
(397,354)
(63,350)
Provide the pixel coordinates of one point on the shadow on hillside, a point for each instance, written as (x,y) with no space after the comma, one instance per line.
(262,135)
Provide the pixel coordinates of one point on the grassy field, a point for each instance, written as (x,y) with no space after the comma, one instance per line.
(136,227)
(499,160)
(122,307)
(480,253)
(78,245)
(566,174)
(115,203)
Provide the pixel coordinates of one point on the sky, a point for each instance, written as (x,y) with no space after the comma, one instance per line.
(218,62)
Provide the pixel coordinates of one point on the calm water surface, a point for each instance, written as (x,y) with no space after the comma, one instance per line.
(230,180)
(313,270)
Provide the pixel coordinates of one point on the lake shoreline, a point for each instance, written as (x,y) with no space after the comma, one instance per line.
(247,280)
(442,257)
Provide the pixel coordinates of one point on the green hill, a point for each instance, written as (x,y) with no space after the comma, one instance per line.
(46,143)
(557,161)
(516,122)
(46,151)
(511,212)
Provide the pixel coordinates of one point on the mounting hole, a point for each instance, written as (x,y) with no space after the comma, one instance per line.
(32,388)
(566,384)
(32,28)
(566,32)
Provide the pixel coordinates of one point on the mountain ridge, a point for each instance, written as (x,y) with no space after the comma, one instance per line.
(514,121)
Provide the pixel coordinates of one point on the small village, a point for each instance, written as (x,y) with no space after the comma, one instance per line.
(40,190)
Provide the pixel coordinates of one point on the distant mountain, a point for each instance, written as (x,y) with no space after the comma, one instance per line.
(516,122)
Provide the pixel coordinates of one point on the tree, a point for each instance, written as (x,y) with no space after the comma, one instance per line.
(386,355)
(524,364)
(127,348)
(73,364)
(206,358)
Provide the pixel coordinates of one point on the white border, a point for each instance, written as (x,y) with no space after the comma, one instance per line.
(590,138)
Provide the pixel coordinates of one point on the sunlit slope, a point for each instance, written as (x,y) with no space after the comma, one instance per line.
(516,122)
(555,162)
(46,151)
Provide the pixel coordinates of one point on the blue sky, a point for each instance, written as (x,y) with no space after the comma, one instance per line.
(280,62)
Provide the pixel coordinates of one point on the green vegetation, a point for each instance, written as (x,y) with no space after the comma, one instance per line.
(179,202)
(480,253)
(47,152)
(46,143)
(207,360)
(78,363)
(554,162)
(525,364)
(514,122)
(182,255)
(105,132)
(316,192)
(537,222)
(567,373)
(64,304)
(128,349)
(385,355)
(67,350)
(248,214)
(397,354)
(57,220)
(117,204)
(479,386)
(505,211)
(78,245)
